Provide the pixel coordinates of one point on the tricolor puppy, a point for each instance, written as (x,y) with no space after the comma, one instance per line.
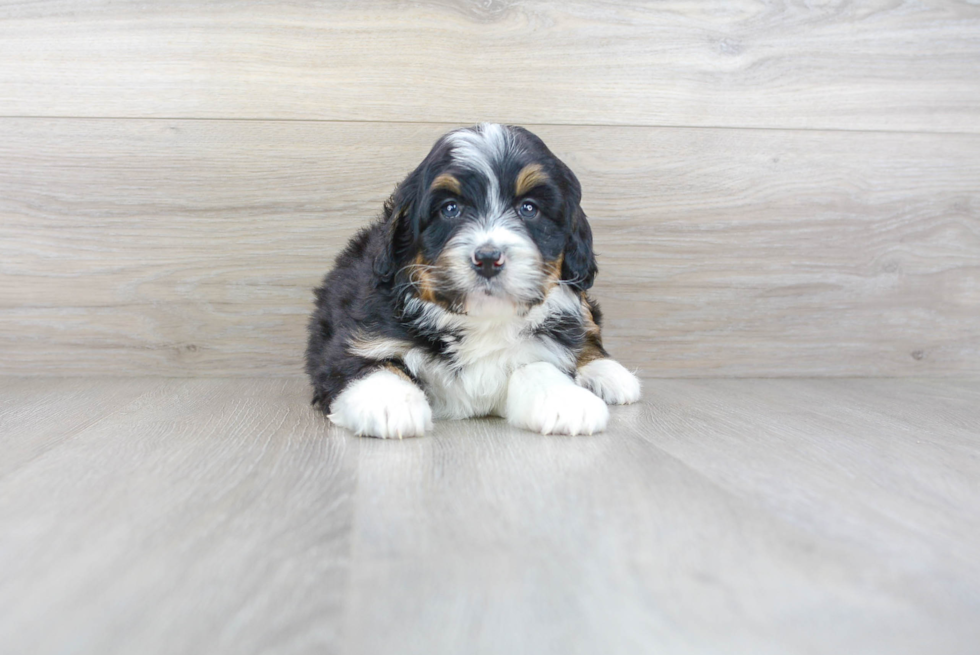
(468,299)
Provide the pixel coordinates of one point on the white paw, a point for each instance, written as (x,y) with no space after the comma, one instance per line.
(609,380)
(543,399)
(382,404)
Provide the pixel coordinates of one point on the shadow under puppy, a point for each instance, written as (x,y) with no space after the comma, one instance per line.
(468,299)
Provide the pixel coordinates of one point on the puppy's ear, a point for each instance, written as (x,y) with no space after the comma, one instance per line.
(578,267)
(400,228)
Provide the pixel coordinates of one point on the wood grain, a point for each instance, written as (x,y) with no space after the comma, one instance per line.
(716,516)
(180,522)
(896,65)
(39,414)
(190,247)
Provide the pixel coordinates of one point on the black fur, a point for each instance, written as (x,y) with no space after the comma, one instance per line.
(371,282)
(563,328)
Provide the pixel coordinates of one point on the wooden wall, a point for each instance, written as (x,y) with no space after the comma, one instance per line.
(775,188)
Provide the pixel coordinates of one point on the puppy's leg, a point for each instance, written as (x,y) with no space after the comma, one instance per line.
(383,404)
(543,399)
(609,380)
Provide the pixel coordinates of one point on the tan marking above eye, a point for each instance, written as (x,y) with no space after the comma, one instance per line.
(530,176)
(447,182)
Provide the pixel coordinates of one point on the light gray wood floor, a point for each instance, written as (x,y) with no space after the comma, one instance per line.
(718,516)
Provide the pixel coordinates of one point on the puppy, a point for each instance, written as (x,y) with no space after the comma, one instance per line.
(468,298)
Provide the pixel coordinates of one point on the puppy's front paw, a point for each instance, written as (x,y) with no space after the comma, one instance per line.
(543,399)
(383,404)
(609,380)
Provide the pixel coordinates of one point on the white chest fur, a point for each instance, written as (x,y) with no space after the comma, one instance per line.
(492,343)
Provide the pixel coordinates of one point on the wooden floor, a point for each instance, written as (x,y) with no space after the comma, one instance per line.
(725,516)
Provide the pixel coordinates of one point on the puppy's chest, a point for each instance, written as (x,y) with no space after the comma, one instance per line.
(471,377)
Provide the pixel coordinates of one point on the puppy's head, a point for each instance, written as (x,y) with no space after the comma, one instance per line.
(490,221)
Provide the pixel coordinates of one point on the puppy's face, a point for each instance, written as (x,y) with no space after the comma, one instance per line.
(488,223)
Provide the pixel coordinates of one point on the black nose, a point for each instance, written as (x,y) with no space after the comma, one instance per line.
(488,261)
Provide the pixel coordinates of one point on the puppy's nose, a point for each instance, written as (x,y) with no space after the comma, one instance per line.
(488,261)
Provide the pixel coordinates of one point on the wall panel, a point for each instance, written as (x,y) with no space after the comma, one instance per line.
(190,247)
(840,65)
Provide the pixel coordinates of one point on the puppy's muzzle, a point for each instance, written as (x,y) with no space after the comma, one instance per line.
(487,261)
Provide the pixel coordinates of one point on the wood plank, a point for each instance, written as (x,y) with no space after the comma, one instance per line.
(212,515)
(190,247)
(870,65)
(38,414)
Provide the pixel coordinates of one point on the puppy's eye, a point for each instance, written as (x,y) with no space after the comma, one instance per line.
(527,210)
(450,209)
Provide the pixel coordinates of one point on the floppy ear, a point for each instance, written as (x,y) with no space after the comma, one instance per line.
(578,266)
(400,228)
